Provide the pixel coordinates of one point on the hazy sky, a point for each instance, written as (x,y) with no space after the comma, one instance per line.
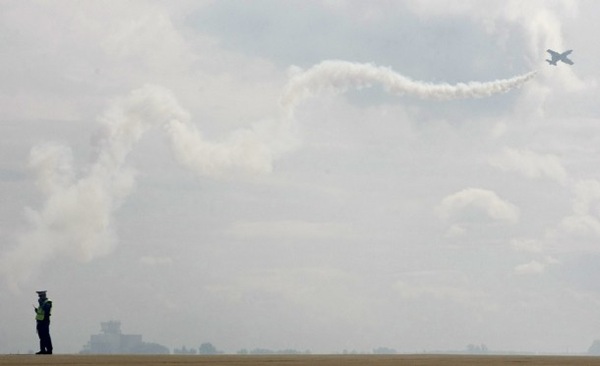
(197,171)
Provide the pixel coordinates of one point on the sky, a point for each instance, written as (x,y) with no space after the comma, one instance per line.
(323,175)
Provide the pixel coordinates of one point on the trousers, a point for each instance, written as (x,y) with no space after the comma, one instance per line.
(43,330)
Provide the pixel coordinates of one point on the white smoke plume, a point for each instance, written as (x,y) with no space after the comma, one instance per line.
(335,77)
(246,150)
(76,218)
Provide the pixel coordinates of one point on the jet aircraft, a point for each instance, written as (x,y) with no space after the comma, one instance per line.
(559,57)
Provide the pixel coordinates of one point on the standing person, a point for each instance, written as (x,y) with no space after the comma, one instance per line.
(42,317)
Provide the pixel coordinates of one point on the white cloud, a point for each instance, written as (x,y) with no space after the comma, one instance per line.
(527,245)
(66,54)
(535,267)
(538,17)
(472,204)
(581,225)
(456,230)
(530,164)
(587,193)
(585,220)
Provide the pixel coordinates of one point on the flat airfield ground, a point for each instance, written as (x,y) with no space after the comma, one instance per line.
(297,360)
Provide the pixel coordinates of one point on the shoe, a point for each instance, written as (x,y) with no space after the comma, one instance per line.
(40,353)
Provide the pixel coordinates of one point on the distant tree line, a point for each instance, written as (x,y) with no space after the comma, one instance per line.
(384,351)
(204,349)
(264,351)
(208,349)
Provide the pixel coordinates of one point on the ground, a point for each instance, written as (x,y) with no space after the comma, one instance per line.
(297,360)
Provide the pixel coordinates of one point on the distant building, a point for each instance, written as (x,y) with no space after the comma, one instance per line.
(112,341)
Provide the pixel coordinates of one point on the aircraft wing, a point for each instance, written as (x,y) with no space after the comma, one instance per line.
(566,53)
(553,53)
(567,61)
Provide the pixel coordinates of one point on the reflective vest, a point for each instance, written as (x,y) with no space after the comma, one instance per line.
(40,314)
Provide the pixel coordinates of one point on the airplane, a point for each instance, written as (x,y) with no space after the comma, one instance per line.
(559,57)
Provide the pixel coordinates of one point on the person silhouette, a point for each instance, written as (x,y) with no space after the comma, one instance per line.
(42,317)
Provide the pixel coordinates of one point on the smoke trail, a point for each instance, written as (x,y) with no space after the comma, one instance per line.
(76,218)
(335,77)
(250,150)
